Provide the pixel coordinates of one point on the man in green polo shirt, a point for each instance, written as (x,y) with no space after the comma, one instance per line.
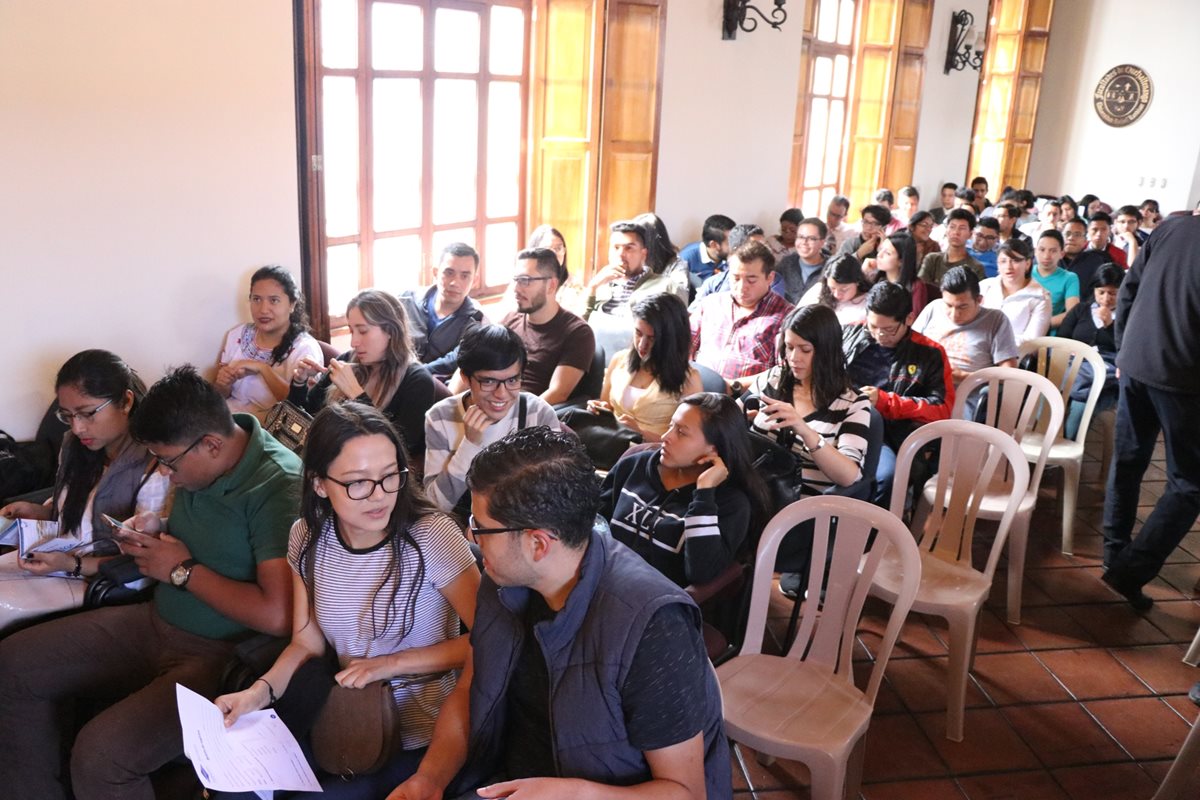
(220,559)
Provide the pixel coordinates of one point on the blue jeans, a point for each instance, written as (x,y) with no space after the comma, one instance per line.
(1142,411)
(884,473)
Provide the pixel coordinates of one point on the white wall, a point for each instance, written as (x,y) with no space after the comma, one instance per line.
(148,154)
(1076,153)
(947,107)
(728,113)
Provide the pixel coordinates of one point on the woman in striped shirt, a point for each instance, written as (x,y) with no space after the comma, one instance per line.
(381,577)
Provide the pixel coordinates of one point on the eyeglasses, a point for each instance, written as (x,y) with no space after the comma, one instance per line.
(809,239)
(475,530)
(363,488)
(886,332)
(172,463)
(67,418)
(524,280)
(1074,235)
(489,384)
(987,237)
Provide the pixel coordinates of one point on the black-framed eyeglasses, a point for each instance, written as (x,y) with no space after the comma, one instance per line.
(809,239)
(489,384)
(67,418)
(172,463)
(524,280)
(475,530)
(363,488)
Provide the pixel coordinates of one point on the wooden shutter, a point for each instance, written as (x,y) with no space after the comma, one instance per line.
(874,76)
(906,99)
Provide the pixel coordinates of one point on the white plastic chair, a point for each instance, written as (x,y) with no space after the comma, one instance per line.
(1182,781)
(1059,360)
(951,587)
(1028,408)
(804,706)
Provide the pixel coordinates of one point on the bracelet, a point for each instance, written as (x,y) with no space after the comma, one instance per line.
(78,571)
(270,692)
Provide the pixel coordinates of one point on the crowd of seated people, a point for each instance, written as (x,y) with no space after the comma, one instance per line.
(438,430)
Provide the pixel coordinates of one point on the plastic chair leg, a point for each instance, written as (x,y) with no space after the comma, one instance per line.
(1182,774)
(828,777)
(1070,498)
(1193,653)
(1018,540)
(741,760)
(962,644)
(854,767)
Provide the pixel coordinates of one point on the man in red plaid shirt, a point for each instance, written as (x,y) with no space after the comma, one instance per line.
(735,332)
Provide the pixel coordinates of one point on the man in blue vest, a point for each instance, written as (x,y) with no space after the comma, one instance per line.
(588,667)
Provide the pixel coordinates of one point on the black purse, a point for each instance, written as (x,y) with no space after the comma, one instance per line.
(606,439)
(288,423)
(779,468)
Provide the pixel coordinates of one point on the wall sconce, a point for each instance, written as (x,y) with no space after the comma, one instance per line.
(735,17)
(966,45)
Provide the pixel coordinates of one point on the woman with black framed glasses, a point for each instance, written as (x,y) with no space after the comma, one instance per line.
(380,577)
(101,471)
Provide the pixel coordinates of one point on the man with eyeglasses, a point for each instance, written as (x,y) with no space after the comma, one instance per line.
(905,375)
(438,317)
(588,668)
(802,269)
(220,562)
(560,346)
(835,224)
(875,219)
(491,359)
(982,247)
(1079,259)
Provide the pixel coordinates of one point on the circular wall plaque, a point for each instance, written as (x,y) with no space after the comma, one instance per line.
(1123,95)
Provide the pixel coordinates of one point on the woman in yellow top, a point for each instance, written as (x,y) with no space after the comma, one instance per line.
(644,384)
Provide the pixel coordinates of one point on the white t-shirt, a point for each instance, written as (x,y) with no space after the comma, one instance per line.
(1027,309)
(354,593)
(250,393)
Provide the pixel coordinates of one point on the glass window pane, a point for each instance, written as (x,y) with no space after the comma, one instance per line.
(397,36)
(841,76)
(846,23)
(456,41)
(504,149)
(833,141)
(397,263)
(339,129)
(455,150)
(822,75)
(339,33)
(827,21)
(506,41)
(500,252)
(809,201)
(443,238)
(397,143)
(341,276)
(818,119)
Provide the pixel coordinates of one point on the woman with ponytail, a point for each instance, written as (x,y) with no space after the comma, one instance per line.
(101,471)
(258,358)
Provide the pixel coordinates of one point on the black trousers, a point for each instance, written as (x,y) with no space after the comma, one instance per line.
(1143,411)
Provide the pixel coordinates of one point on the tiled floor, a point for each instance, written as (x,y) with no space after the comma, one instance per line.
(1084,700)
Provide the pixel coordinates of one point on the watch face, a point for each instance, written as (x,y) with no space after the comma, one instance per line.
(179,575)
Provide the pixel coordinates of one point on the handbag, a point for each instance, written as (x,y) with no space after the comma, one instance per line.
(288,423)
(357,731)
(606,439)
(779,468)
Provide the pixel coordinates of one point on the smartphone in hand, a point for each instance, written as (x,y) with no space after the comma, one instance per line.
(119,528)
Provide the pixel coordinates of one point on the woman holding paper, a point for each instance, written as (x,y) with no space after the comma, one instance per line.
(381,577)
(101,471)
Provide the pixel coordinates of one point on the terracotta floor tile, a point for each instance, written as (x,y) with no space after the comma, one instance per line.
(1157,769)
(921,684)
(780,774)
(1184,707)
(1145,726)
(909,790)
(887,700)
(988,744)
(1009,678)
(994,634)
(897,748)
(1050,628)
(1179,620)
(775,794)
(1106,782)
(916,639)
(1074,585)
(1115,625)
(1160,667)
(1092,673)
(1184,577)
(1032,595)
(1013,786)
(1063,734)
(1088,547)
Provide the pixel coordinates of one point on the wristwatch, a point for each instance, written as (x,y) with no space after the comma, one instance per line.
(181,573)
(810,450)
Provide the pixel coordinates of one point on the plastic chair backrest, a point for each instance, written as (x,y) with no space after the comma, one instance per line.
(1059,360)
(826,633)
(1018,402)
(710,379)
(970,456)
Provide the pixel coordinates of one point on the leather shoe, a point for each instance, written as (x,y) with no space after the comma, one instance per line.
(1194,693)
(1134,594)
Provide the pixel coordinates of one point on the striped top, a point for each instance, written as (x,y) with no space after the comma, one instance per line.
(844,425)
(345,586)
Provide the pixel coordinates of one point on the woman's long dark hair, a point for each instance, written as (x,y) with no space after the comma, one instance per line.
(667,316)
(297,321)
(380,381)
(724,426)
(906,247)
(331,428)
(818,326)
(842,269)
(104,376)
(660,250)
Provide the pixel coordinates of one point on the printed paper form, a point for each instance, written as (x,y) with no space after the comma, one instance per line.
(258,754)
